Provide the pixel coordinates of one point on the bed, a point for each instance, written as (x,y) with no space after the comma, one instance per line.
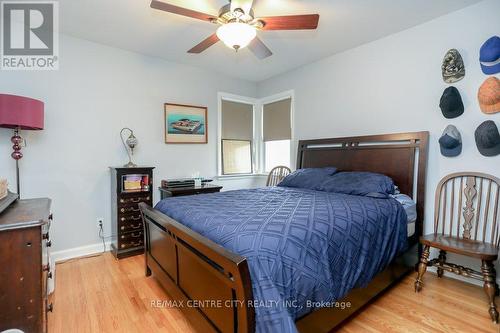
(205,263)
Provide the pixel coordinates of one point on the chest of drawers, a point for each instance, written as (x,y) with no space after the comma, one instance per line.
(126,222)
(24,265)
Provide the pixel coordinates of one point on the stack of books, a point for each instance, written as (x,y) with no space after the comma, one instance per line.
(132,183)
(181,182)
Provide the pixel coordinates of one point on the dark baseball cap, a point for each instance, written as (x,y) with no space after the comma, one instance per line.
(488,138)
(450,142)
(451,103)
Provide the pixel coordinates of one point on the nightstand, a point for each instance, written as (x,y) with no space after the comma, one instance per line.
(167,192)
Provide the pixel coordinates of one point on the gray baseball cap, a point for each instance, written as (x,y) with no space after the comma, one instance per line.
(488,139)
(450,142)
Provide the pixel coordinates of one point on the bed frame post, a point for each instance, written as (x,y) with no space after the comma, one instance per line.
(421,180)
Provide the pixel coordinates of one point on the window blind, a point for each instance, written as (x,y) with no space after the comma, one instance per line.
(237,121)
(277,123)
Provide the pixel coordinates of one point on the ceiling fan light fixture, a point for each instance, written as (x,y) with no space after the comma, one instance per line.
(236,35)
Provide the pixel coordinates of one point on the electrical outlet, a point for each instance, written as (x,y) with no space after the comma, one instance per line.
(100,222)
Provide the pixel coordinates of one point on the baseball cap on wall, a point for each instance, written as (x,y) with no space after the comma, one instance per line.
(453,68)
(488,138)
(450,142)
(489,95)
(489,56)
(451,103)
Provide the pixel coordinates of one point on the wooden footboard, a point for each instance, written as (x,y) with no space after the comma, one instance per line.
(211,284)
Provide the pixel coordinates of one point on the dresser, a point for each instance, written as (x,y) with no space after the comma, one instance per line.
(129,187)
(24,265)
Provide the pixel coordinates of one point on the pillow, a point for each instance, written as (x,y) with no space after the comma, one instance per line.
(307,178)
(359,183)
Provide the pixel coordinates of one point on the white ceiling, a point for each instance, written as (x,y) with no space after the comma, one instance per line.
(344,24)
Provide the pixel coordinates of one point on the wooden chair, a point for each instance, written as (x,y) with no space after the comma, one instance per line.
(277,174)
(469,227)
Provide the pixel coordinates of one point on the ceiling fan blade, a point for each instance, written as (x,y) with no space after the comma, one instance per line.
(260,49)
(181,11)
(246,5)
(293,22)
(205,44)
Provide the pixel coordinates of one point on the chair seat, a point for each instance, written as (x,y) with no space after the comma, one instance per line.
(470,248)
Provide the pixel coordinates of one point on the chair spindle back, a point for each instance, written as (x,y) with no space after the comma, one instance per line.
(277,174)
(467,207)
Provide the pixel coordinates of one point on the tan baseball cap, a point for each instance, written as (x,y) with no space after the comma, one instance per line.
(489,95)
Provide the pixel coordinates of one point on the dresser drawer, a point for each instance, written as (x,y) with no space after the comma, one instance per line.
(129,218)
(130,243)
(129,226)
(127,201)
(131,236)
(130,209)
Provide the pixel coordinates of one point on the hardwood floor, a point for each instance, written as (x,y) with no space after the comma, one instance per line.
(101,294)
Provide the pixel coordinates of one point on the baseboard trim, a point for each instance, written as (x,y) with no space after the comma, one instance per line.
(76,252)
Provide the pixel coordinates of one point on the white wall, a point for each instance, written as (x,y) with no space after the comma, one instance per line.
(97,91)
(394,85)
(390,85)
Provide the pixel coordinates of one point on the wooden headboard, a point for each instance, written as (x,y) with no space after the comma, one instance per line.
(401,156)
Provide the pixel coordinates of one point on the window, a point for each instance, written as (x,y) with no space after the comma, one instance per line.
(236,157)
(236,137)
(277,133)
(254,136)
(277,153)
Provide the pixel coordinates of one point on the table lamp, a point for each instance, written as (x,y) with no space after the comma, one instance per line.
(20,113)
(130,143)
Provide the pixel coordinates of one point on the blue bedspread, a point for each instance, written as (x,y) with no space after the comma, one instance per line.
(302,246)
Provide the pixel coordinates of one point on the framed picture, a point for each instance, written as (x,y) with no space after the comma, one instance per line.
(185,124)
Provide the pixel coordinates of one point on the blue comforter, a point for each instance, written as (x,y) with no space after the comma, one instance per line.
(303,246)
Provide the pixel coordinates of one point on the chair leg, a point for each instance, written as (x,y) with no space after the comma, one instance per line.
(441,260)
(422,267)
(489,278)
(497,288)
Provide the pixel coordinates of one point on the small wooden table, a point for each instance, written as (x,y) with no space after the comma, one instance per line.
(167,192)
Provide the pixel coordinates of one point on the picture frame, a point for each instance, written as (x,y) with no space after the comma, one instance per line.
(185,124)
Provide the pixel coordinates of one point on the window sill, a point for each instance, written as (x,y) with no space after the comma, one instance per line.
(247,176)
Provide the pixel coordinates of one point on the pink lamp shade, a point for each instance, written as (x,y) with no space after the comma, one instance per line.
(21,112)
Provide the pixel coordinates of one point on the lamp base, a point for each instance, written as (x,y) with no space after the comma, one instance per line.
(17,155)
(130,165)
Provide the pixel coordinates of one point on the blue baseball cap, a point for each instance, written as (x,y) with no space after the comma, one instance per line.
(489,56)
(450,142)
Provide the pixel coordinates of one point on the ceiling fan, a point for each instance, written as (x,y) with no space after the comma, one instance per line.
(239,26)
